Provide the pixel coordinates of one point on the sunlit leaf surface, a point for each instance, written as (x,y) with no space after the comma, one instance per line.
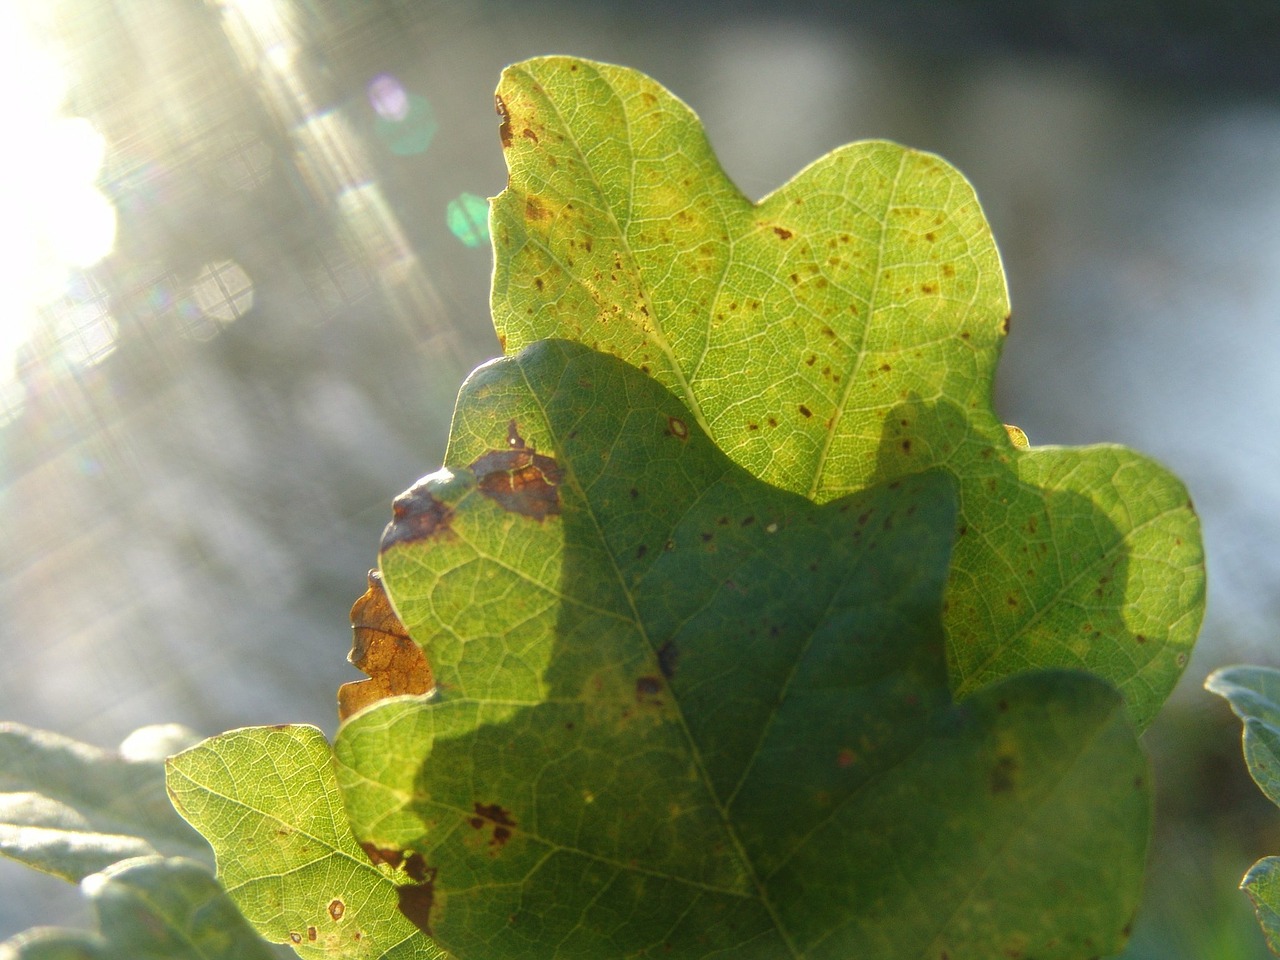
(683,713)
(266,799)
(843,330)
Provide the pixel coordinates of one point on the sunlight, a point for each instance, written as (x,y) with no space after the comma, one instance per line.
(53,218)
(330,157)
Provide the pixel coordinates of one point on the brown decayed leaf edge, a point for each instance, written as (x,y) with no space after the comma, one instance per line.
(382,648)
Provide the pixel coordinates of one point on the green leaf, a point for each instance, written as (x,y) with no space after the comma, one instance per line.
(71,809)
(684,713)
(56,839)
(1254,695)
(1262,884)
(49,943)
(170,908)
(267,801)
(842,331)
(150,908)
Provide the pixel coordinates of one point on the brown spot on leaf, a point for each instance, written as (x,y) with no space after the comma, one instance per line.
(647,689)
(500,819)
(416,899)
(1004,327)
(494,812)
(383,855)
(845,757)
(520,480)
(529,135)
(948,270)
(668,654)
(504,127)
(312,933)
(677,428)
(416,515)
(336,909)
(783,233)
(295,937)
(535,209)
(1002,775)
(805,411)
(382,648)
(928,288)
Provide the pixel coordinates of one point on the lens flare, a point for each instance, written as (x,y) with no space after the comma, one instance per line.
(468,218)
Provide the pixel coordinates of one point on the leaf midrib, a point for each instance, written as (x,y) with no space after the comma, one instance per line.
(700,766)
(653,330)
(852,378)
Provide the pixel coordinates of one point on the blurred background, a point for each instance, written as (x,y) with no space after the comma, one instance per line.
(244,267)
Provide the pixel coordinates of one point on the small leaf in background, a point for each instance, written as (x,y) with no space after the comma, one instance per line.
(71,809)
(1262,884)
(381,648)
(842,331)
(1254,696)
(56,839)
(150,908)
(53,943)
(687,714)
(266,800)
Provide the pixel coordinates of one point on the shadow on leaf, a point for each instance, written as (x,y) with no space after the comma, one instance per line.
(697,715)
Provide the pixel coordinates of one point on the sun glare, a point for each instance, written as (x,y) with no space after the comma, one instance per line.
(53,218)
